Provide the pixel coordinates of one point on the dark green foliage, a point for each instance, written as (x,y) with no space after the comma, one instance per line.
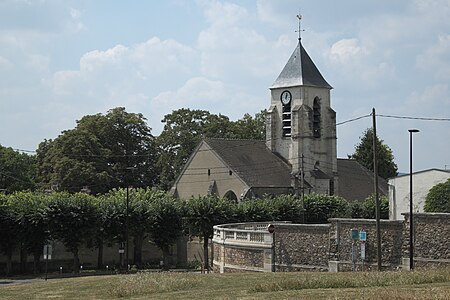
(203,213)
(367,208)
(249,128)
(73,219)
(319,208)
(102,152)
(254,210)
(31,214)
(280,208)
(9,230)
(364,155)
(438,198)
(17,170)
(286,208)
(165,223)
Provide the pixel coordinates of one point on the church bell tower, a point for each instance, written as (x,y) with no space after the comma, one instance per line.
(301,125)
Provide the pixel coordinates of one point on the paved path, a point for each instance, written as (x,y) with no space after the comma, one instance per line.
(18,281)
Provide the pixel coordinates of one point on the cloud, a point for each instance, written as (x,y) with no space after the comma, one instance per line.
(223,13)
(434,100)
(5,63)
(435,59)
(347,50)
(232,49)
(277,13)
(197,92)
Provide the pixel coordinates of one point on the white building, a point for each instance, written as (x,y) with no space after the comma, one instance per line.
(399,194)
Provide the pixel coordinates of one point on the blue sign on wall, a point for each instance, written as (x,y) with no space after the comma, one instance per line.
(362,236)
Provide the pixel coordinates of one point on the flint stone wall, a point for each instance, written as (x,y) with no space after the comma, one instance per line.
(300,247)
(431,239)
(341,244)
(303,247)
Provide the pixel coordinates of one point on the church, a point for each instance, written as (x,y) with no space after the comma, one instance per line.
(298,156)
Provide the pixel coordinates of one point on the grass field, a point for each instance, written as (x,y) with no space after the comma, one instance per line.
(433,284)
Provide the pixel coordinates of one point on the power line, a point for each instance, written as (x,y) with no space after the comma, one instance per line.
(414,118)
(352,120)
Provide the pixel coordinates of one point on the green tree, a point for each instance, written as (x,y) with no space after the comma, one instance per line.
(286,208)
(72,220)
(165,223)
(249,127)
(203,212)
(319,208)
(140,213)
(364,155)
(438,198)
(31,214)
(102,152)
(367,209)
(9,230)
(254,210)
(110,222)
(17,170)
(112,225)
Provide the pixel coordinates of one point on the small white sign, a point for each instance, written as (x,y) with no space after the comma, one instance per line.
(363,251)
(48,249)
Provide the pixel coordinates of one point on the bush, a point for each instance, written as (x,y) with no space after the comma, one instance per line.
(254,210)
(286,208)
(438,198)
(366,208)
(319,208)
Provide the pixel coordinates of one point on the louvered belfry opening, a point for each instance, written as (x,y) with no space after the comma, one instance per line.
(316,117)
(287,120)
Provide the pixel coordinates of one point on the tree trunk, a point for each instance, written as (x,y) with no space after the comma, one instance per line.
(36,262)
(205,253)
(100,254)
(23,259)
(8,263)
(166,253)
(138,241)
(76,261)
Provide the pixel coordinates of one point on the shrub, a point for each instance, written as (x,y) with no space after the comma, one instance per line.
(319,208)
(438,198)
(366,208)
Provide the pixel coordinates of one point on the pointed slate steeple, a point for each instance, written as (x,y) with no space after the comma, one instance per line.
(300,71)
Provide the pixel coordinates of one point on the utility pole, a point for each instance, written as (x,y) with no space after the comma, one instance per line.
(302,186)
(377,199)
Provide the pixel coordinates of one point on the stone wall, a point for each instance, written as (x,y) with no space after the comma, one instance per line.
(431,240)
(304,247)
(301,247)
(340,257)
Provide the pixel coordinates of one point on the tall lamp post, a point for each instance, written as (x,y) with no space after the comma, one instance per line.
(127,222)
(411,220)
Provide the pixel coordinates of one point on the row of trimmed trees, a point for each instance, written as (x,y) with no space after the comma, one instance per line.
(29,220)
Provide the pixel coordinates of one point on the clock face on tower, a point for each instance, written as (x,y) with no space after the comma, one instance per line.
(286,97)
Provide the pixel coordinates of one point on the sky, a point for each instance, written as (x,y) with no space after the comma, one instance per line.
(62,60)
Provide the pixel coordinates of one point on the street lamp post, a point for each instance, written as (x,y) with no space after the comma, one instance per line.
(126,225)
(127,218)
(411,220)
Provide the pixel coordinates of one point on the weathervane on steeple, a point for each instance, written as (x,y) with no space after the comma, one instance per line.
(299,17)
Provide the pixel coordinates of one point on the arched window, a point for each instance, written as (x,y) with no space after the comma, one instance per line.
(316,117)
(230,195)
